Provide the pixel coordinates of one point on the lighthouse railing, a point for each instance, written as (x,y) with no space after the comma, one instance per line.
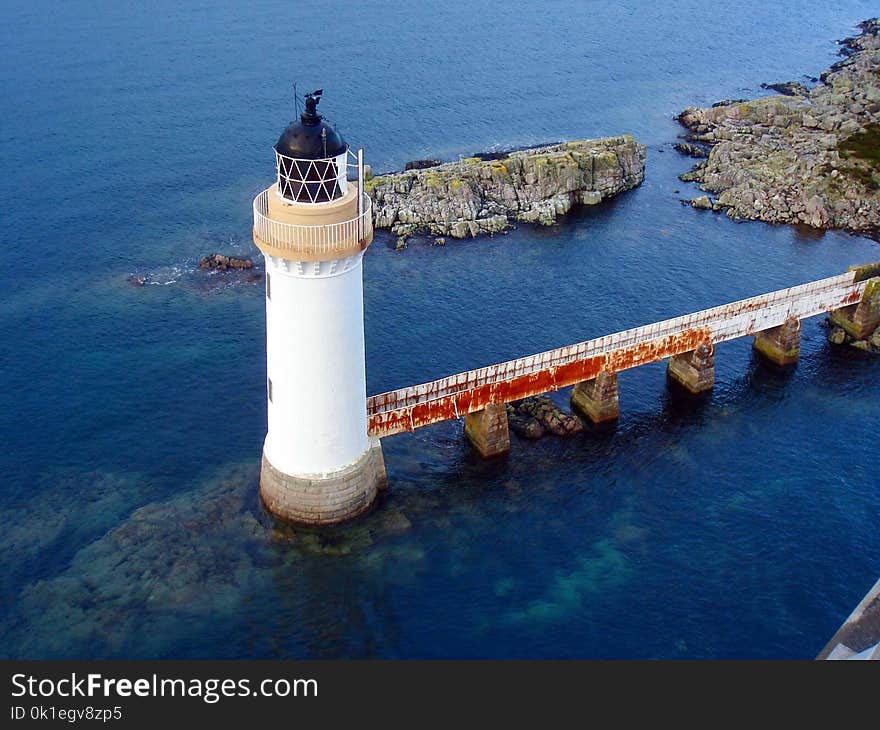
(360,176)
(319,239)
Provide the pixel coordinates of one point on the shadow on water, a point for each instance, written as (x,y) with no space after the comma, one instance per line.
(680,407)
(807,234)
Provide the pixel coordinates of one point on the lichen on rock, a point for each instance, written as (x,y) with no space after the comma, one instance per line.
(476,196)
(804,157)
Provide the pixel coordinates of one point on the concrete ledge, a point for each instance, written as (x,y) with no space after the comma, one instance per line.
(324,500)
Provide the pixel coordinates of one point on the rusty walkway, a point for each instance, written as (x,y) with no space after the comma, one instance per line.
(456,396)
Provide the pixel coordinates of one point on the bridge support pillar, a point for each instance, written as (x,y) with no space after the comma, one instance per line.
(694,370)
(860,320)
(487,430)
(780,345)
(598,398)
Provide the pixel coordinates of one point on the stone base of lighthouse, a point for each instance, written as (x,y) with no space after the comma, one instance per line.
(323,499)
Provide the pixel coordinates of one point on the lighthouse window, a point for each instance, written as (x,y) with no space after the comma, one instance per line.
(308,181)
(269,387)
(268,286)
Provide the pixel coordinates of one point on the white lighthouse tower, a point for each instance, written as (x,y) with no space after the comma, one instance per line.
(313,225)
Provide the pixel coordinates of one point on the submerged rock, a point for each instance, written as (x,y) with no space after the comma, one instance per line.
(395,522)
(532,418)
(788,88)
(726,102)
(37,531)
(691,150)
(839,336)
(807,156)
(224,263)
(476,196)
(421,164)
(524,425)
(129,586)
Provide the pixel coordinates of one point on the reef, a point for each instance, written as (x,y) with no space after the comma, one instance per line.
(486,193)
(220,262)
(535,417)
(806,156)
(839,336)
(114,574)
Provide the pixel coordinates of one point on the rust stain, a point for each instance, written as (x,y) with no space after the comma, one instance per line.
(854,297)
(435,409)
(410,408)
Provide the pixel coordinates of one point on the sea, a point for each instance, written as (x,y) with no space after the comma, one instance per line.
(134,137)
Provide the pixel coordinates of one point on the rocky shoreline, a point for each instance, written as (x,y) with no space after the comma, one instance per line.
(805,156)
(485,194)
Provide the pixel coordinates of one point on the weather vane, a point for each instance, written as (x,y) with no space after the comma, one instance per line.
(312,100)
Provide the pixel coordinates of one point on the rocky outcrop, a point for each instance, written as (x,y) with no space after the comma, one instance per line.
(220,262)
(475,195)
(808,156)
(691,150)
(420,164)
(838,336)
(788,88)
(534,417)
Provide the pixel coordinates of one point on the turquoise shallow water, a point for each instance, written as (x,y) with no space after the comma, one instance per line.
(133,142)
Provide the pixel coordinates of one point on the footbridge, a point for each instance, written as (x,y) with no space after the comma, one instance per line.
(479,396)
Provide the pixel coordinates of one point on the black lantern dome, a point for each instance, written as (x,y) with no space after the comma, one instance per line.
(306,155)
(310,137)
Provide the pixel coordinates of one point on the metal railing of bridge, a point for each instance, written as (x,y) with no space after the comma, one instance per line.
(456,395)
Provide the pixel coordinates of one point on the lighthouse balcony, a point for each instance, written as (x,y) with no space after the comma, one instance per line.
(312,232)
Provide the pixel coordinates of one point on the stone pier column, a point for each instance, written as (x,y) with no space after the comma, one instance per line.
(694,370)
(487,430)
(780,345)
(598,398)
(860,320)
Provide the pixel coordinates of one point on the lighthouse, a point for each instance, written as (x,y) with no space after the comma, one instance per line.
(312,226)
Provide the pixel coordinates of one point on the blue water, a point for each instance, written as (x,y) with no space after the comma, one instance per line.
(133,140)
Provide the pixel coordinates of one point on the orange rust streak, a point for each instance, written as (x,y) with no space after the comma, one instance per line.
(427,406)
(450,386)
(552,378)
